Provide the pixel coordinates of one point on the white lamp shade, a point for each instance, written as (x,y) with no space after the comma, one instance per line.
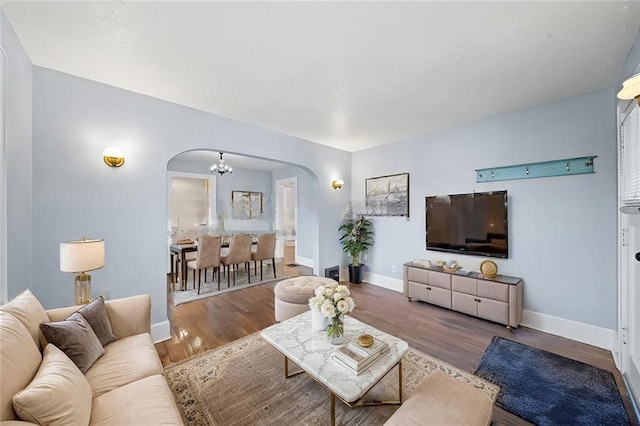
(630,88)
(81,256)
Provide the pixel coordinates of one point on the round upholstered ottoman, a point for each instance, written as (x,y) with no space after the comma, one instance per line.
(292,295)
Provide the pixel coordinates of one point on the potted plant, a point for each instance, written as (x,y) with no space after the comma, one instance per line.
(356,238)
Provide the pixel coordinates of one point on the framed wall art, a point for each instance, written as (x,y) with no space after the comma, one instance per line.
(246,204)
(387,195)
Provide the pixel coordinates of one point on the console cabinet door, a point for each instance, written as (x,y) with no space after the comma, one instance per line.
(418,291)
(440,279)
(493,310)
(465,303)
(440,297)
(495,291)
(464,285)
(418,275)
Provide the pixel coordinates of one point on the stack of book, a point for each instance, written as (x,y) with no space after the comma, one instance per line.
(356,358)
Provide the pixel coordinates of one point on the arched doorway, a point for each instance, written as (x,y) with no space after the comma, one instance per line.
(255,176)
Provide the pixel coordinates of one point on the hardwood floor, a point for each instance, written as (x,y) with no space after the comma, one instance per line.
(452,337)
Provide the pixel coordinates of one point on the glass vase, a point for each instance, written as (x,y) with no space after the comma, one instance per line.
(335,330)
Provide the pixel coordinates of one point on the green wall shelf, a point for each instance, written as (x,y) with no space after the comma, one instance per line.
(570,166)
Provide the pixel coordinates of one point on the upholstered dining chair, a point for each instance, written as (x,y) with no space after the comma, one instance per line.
(265,250)
(239,252)
(207,256)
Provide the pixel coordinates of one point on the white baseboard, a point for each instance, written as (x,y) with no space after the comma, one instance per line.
(160,331)
(304,261)
(581,332)
(384,281)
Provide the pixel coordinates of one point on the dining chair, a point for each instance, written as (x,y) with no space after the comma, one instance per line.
(207,256)
(266,249)
(239,252)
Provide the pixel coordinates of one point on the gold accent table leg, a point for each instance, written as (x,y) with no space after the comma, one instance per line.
(400,382)
(333,409)
(286,367)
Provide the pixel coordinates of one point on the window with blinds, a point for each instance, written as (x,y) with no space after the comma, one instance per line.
(629,185)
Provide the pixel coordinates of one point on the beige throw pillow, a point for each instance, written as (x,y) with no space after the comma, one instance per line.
(96,315)
(58,395)
(76,339)
(29,311)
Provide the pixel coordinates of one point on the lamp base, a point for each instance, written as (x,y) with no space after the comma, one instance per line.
(83,289)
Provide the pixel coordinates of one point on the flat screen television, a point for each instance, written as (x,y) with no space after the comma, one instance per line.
(474,224)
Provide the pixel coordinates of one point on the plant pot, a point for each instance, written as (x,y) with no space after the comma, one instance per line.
(355,274)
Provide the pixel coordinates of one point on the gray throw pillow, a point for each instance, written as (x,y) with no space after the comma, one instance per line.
(96,315)
(76,339)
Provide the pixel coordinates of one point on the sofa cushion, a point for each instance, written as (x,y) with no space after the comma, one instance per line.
(75,338)
(30,312)
(148,399)
(96,315)
(58,394)
(19,361)
(124,361)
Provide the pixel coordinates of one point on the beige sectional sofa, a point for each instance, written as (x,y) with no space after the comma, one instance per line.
(39,382)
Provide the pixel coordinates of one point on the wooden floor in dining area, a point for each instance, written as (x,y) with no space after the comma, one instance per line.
(450,336)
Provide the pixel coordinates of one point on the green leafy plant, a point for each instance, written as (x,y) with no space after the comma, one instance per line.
(356,237)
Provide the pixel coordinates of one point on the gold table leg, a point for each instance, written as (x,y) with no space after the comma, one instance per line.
(333,409)
(286,369)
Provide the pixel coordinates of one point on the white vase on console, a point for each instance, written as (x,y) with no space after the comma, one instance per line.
(318,321)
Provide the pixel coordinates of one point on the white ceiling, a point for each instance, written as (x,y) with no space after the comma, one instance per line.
(346,74)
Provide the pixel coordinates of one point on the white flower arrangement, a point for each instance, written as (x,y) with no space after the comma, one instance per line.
(334,301)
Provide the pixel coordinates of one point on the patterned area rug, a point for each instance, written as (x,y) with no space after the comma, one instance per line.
(210,288)
(243,383)
(548,389)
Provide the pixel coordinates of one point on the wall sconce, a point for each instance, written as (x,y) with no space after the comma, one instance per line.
(631,88)
(113,157)
(337,183)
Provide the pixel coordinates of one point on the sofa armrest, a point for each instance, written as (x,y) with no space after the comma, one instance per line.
(128,316)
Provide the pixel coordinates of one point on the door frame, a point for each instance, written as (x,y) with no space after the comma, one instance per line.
(626,313)
(4,206)
(290,181)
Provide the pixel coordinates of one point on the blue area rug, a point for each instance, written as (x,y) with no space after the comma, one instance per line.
(549,389)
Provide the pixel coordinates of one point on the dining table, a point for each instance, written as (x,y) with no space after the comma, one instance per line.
(178,253)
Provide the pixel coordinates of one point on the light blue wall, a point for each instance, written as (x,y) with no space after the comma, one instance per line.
(562,230)
(240,180)
(75,194)
(19,164)
(308,211)
(245,180)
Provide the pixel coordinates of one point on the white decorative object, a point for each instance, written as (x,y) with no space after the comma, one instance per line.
(318,321)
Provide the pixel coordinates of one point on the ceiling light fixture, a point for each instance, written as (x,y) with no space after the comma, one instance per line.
(221,167)
(631,88)
(337,184)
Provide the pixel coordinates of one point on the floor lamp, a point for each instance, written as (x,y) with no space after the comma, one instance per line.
(81,257)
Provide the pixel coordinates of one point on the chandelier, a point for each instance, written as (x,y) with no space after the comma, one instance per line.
(221,167)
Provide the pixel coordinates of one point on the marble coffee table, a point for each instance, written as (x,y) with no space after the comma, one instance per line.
(311,351)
